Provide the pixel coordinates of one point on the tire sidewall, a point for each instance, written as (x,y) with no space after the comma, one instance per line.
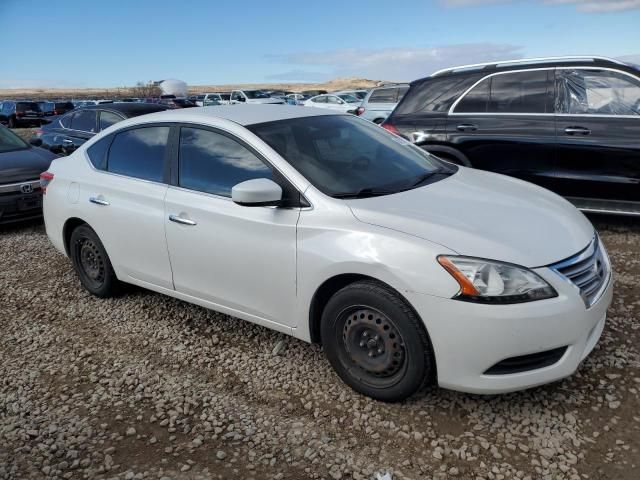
(108,286)
(418,367)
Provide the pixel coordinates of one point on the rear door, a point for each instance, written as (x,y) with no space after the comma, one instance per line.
(82,127)
(125,196)
(505,123)
(598,130)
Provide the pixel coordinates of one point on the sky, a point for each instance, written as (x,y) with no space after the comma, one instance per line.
(111,43)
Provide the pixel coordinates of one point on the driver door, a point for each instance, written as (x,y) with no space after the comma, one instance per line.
(236,257)
(598,127)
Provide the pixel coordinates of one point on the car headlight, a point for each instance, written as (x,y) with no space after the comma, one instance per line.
(487,281)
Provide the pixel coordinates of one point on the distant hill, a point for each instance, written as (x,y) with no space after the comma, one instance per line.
(121,92)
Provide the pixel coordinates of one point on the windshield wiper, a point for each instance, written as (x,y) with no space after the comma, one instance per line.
(426,176)
(364,193)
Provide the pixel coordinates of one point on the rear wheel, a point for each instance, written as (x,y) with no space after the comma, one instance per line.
(375,342)
(92,263)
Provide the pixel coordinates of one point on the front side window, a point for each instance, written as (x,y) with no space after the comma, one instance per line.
(84,121)
(518,92)
(319,99)
(597,92)
(344,156)
(333,100)
(139,153)
(213,163)
(237,96)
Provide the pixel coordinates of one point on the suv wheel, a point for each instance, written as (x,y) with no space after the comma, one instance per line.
(375,342)
(92,263)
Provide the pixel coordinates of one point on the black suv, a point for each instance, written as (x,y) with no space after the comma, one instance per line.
(20,114)
(67,132)
(570,124)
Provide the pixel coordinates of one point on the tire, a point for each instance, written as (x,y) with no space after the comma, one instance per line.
(376,343)
(92,263)
(11,123)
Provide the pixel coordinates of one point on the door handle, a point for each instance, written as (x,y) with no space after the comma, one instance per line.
(181,220)
(99,201)
(467,127)
(577,131)
(66,141)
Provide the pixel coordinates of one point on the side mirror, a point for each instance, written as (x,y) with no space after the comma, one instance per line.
(36,142)
(259,192)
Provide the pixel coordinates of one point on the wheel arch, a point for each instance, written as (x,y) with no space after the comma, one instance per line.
(69,226)
(447,153)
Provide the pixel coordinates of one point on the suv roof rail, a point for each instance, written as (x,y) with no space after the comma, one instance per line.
(527,61)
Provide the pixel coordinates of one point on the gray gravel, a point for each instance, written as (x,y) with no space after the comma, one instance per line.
(145,386)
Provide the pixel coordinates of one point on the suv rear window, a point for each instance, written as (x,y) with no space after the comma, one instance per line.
(24,106)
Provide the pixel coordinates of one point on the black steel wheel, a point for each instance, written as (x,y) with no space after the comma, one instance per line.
(376,342)
(92,263)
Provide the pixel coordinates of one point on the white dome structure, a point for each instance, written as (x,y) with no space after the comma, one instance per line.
(175,87)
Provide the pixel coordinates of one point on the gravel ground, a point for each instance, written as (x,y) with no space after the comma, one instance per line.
(145,386)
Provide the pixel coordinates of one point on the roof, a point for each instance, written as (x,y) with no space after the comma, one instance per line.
(242,114)
(129,109)
(526,63)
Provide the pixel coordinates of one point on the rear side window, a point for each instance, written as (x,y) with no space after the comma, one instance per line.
(108,118)
(320,100)
(213,163)
(476,100)
(519,92)
(97,152)
(139,153)
(84,121)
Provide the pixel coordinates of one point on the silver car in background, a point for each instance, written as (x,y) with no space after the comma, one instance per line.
(381,101)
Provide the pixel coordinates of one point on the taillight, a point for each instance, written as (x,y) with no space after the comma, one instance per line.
(360,111)
(55,112)
(39,132)
(391,128)
(45,179)
(19,114)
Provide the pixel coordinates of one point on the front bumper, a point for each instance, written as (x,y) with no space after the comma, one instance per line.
(17,207)
(470,338)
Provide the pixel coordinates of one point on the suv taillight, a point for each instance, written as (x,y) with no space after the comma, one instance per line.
(45,179)
(360,111)
(19,114)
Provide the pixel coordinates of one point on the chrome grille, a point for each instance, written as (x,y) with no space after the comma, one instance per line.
(589,270)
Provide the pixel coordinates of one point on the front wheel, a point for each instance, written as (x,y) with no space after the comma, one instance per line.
(376,343)
(92,263)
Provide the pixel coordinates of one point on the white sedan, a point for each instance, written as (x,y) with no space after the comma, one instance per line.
(407,269)
(344,103)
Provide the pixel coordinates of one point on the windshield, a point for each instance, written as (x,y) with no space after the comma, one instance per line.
(10,142)
(347,97)
(344,156)
(255,94)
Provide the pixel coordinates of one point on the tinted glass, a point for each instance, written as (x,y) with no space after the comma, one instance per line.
(97,152)
(9,141)
(383,95)
(139,153)
(25,106)
(108,118)
(64,105)
(341,154)
(213,163)
(84,120)
(522,92)
(476,100)
(435,95)
(598,92)
(237,96)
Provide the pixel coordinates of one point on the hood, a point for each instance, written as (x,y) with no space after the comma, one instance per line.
(265,100)
(481,214)
(24,165)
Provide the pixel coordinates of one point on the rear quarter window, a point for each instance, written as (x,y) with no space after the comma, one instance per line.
(97,152)
(434,95)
